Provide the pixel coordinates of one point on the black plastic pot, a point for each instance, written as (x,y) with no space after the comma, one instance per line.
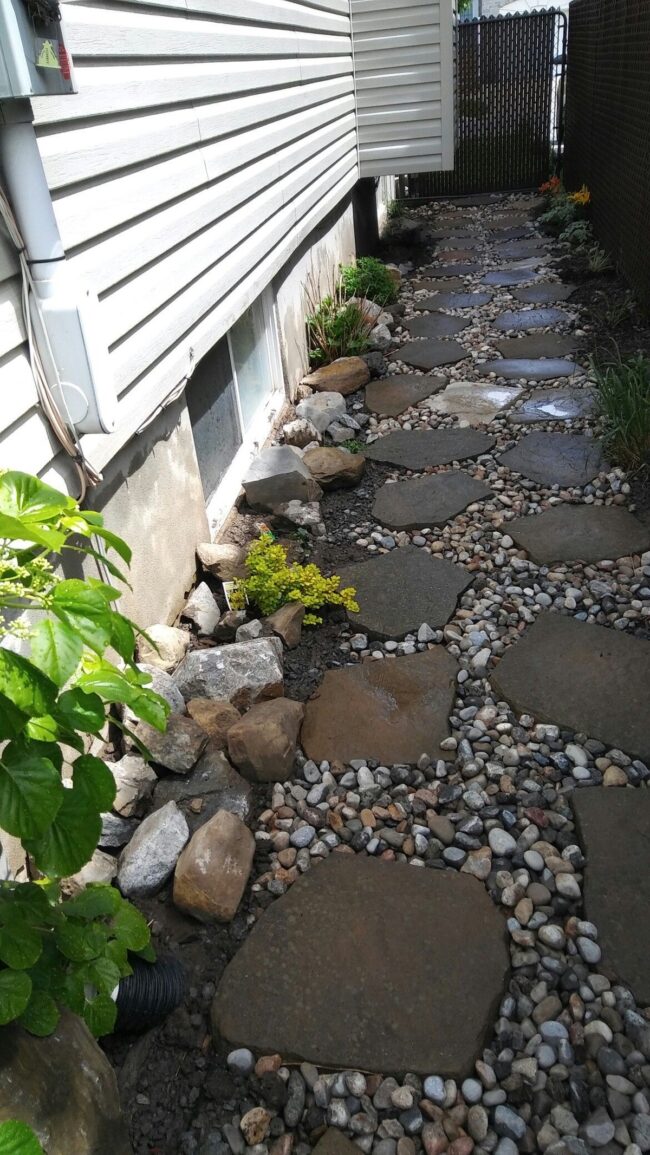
(152,992)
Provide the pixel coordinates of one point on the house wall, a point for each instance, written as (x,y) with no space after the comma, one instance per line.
(205,144)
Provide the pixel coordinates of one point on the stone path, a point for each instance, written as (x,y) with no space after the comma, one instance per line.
(483,719)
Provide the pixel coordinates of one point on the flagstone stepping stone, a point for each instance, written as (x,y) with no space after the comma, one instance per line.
(435,325)
(370,966)
(398,591)
(419,448)
(452,228)
(469,244)
(451,270)
(536,345)
(476,404)
(430,500)
(533,369)
(555,458)
(455,301)
(390,396)
(511,220)
(586,678)
(507,277)
(431,285)
(555,405)
(451,254)
(531,319)
(511,250)
(393,711)
(586,533)
(430,354)
(614,830)
(514,233)
(544,293)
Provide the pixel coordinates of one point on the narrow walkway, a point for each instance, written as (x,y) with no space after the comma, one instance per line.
(497,665)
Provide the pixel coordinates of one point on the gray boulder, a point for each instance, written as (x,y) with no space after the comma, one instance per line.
(177,747)
(242,673)
(322,409)
(278,474)
(151,855)
(202,609)
(213,785)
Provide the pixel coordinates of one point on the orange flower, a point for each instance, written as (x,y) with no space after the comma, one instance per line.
(582,197)
(551,186)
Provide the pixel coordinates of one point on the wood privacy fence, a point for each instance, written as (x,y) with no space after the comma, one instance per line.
(608,127)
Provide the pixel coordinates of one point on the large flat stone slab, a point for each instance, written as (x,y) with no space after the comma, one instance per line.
(435,325)
(504,278)
(451,254)
(455,301)
(585,678)
(537,345)
(427,501)
(392,711)
(544,294)
(555,458)
(455,270)
(372,966)
(512,250)
(390,396)
(524,319)
(419,448)
(398,591)
(529,369)
(555,405)
(580,533)
(614,829)
(431,353)
(475,404)
(430,284)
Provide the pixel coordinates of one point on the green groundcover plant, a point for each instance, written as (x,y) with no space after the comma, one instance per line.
(272,582)
(369,278)
(55,695)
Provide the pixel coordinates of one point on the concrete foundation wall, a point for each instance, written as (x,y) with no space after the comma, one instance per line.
(331,245)
(152,496)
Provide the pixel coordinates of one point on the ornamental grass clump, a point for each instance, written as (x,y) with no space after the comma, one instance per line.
(623,394)
(273,582)
(336,327)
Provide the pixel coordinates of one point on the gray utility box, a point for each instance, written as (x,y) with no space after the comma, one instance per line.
(34,60)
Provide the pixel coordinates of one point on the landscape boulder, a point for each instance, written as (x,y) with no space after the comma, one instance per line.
(212,872)
(305,514)
(64,1088)
(300,432)
(278,474)
(161,683)
(335,468)
(345,376)
(177,747)
(322,409)
(225,562)
(134,781)
(213,785)
(151,855)
(286,623)
(167,647)
(214,716)
(202,609)
(100,868)
(116,831)
(241,674)
(263,743)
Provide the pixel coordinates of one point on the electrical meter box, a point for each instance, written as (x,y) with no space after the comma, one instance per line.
(34,60)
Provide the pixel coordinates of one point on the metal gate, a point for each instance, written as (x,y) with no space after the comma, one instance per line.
(509,107)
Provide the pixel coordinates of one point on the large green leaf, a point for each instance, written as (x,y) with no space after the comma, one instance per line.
(100,1015)
(24,685)
(81,941)
(12,720)
(31,792)
(13,529)
(18,1139)
(22,495)
(97,901)
(70,841)
(20,945)
(130,928)
(15,990)
(80,710)
(122,636)
(93,781)
(41,1014)
(113,686)
(84,610)
(102,974)
(56,649)
(115,542)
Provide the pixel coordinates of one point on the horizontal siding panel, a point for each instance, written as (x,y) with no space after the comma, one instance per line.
(431,109)
(410,79)
(28,444)
(17,388)
(12,329)
(418,16)
(409,130)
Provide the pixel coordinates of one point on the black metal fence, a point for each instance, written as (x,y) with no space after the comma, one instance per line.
(509,100)
(608,127)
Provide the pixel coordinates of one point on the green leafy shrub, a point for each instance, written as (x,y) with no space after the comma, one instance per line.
(578,234)
(369,278)
(54,951)
(394,210)
(272,582)
(623,393)
(560,214)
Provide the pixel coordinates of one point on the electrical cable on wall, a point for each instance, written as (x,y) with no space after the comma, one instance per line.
(61,424)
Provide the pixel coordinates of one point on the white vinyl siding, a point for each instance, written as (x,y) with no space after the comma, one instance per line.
(208,138)
(404,76)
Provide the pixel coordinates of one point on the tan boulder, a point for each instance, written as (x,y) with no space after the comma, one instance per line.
(263,743)
(212,872)
(223,561)
(334,468)
(345,375)
(167,647)
(286,623)
(134,783)
(177,747)
(215,716)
